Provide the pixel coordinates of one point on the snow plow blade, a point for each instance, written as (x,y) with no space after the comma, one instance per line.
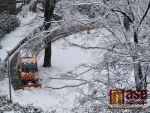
(30,85)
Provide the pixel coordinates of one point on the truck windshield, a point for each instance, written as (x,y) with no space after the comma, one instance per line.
(29,67)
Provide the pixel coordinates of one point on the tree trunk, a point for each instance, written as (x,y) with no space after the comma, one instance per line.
(47,56)
(138,76)
(126,23)
(137,66)
(48,14)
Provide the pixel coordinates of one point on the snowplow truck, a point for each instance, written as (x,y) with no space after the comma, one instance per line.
(28,72)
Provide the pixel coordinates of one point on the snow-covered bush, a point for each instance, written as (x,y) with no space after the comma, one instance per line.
(7,23)
(16,107)
(3,70)
(91,11)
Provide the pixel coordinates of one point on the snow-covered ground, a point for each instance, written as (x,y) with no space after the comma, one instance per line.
(12,39)
(63,60)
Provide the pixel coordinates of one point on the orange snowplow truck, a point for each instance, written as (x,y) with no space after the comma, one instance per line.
(28,72)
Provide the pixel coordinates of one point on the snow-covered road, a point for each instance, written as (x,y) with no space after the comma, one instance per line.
(63,60)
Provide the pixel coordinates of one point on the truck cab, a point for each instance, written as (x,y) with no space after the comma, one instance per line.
(28,70)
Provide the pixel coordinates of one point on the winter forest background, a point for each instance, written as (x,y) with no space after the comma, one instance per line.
(119,41)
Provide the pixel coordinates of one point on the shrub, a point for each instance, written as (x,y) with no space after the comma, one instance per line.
(16,107)
(3,70)
(7,23)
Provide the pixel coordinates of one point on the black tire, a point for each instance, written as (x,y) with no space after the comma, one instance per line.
(35,81)
(23,82)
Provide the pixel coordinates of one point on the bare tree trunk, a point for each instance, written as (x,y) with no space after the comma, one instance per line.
(126,23)
(47,56)
(137,66)
(48,14)
(138,76)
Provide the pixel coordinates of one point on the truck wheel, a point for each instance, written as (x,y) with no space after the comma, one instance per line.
(36,81)
(23,82)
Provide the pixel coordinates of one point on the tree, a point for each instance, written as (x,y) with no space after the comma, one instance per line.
(48,14)
(124,51)
(130,39)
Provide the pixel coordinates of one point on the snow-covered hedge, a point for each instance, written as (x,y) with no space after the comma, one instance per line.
(3,70)
(7,23)
(16,107)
